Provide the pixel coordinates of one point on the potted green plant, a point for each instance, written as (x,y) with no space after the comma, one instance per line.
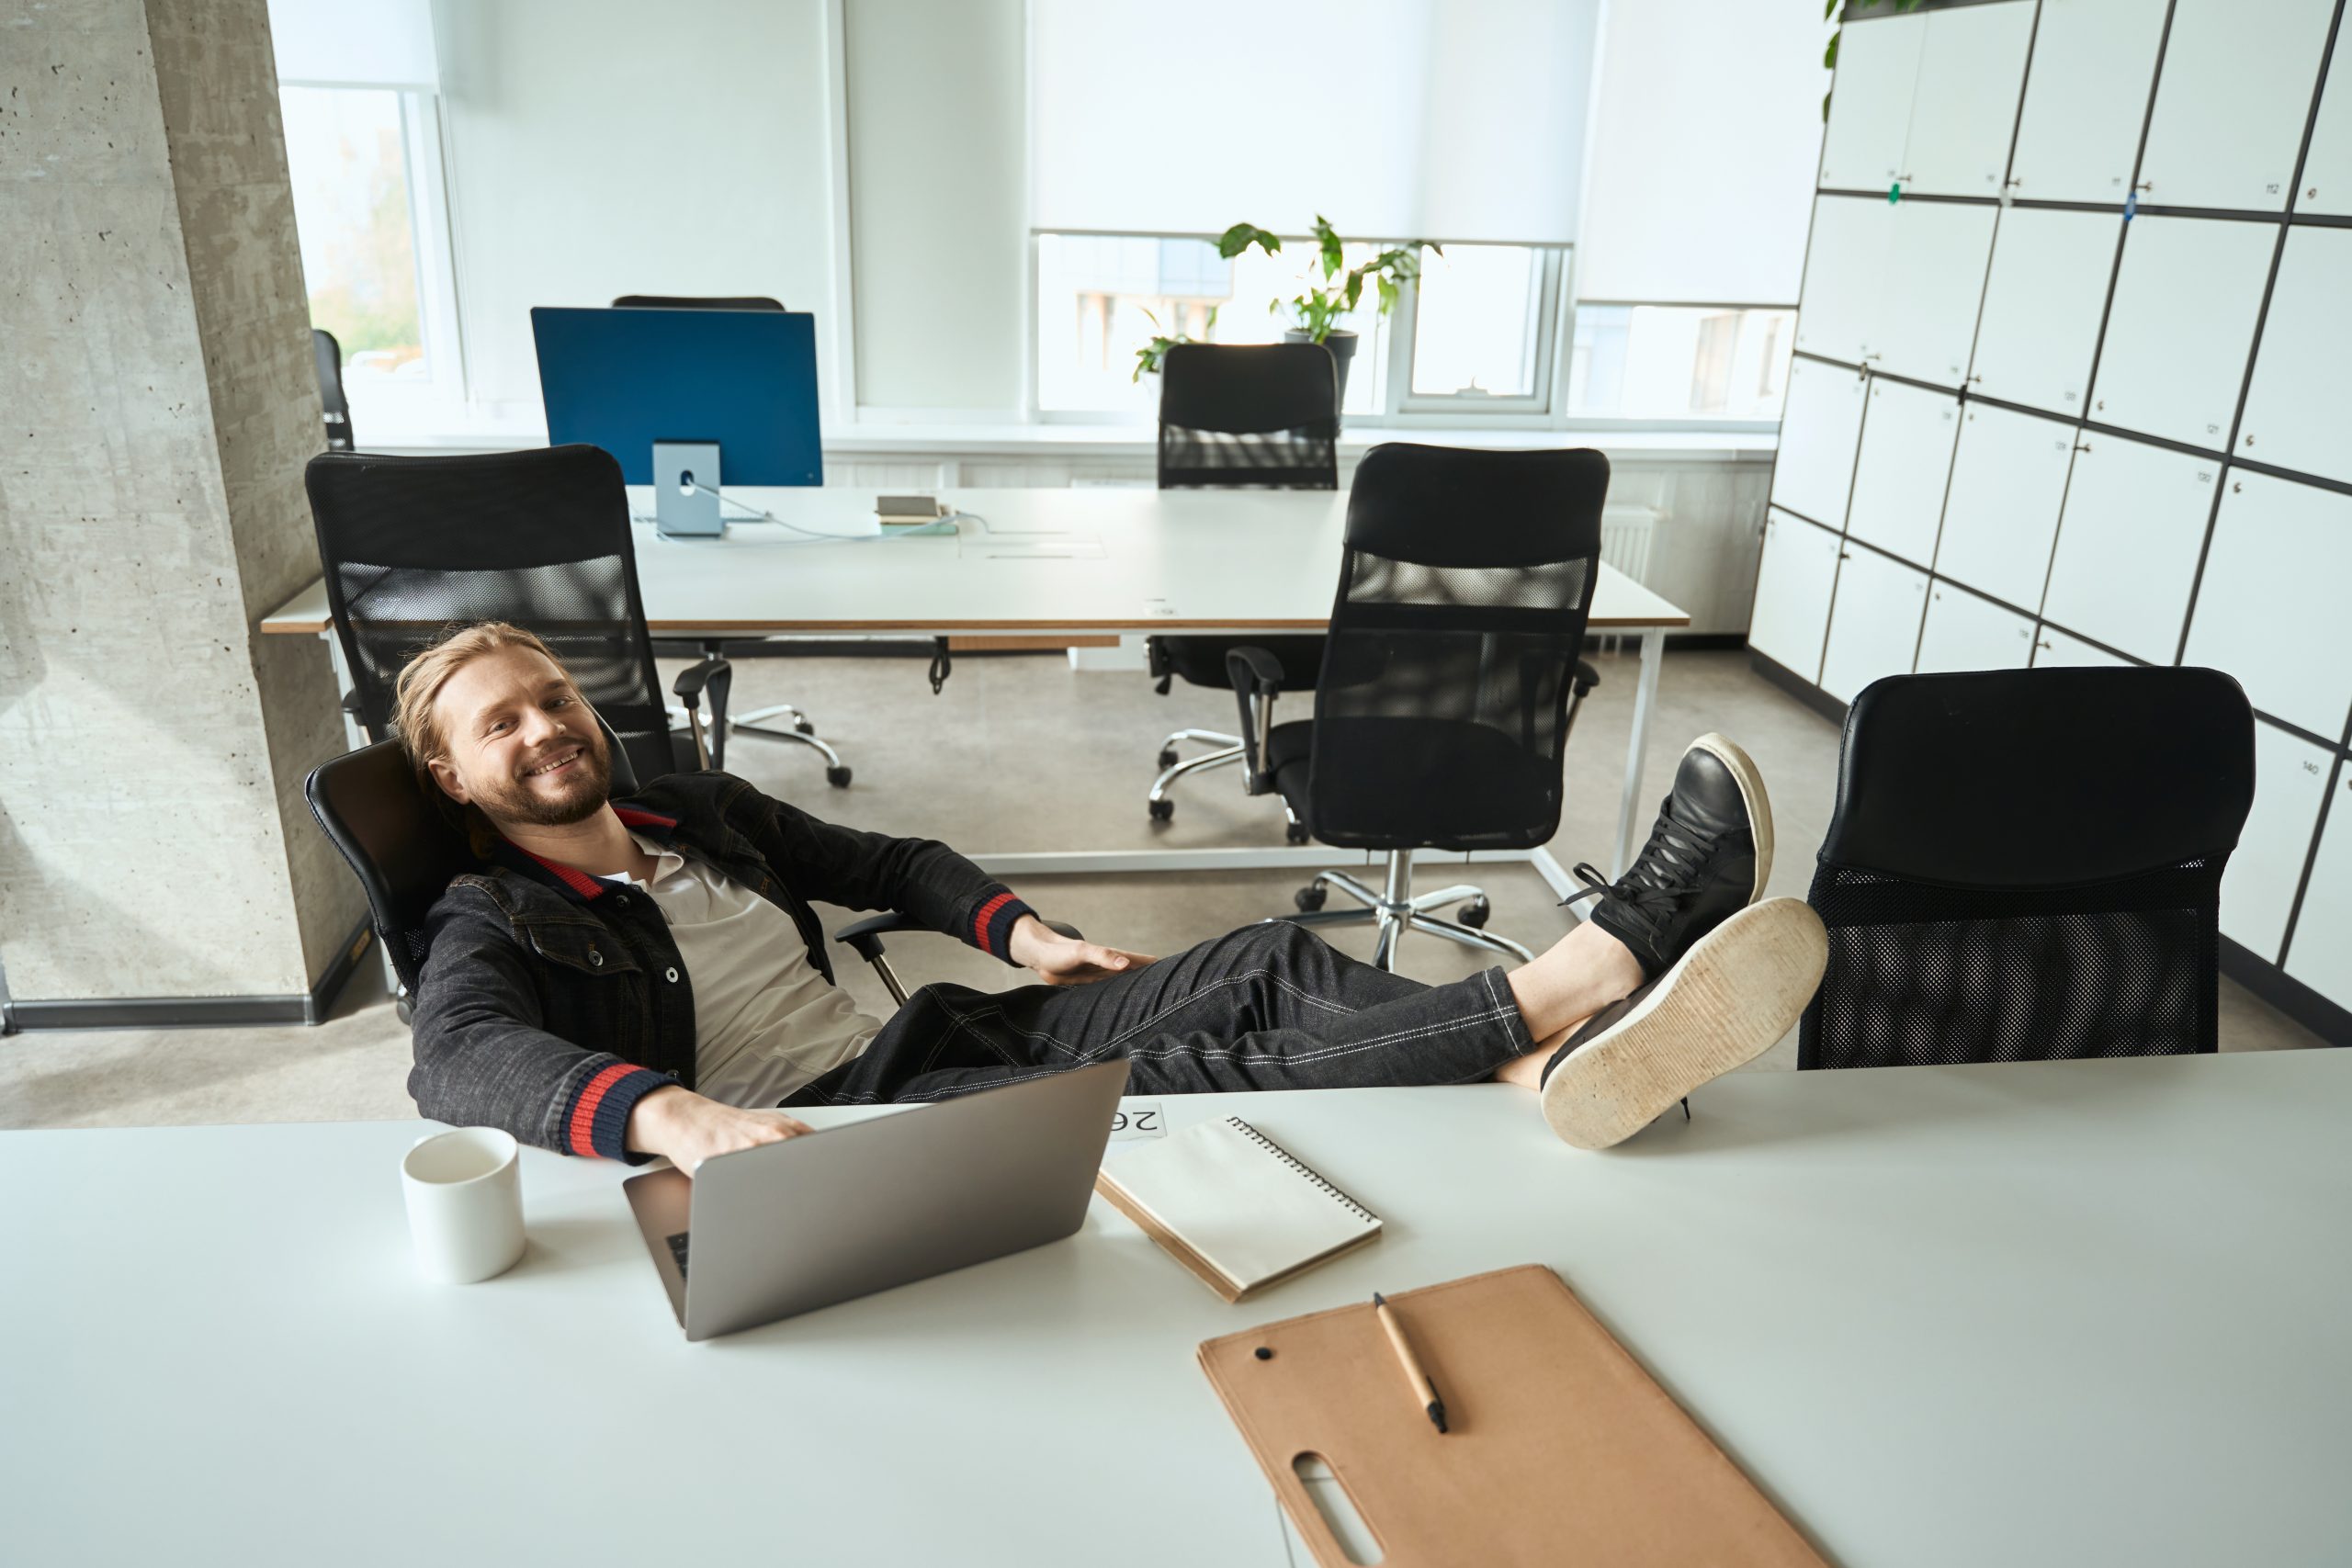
(1316,314)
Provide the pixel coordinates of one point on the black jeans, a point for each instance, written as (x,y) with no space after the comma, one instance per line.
(1266,1007)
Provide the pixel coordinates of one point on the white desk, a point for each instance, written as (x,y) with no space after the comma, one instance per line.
(2044,1313)
(1048,562)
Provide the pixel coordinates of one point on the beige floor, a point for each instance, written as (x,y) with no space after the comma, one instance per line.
(1019,753)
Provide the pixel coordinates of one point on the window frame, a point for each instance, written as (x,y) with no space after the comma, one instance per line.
(1664,424)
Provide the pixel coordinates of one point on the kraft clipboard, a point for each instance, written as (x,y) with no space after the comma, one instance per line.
(1562,1451)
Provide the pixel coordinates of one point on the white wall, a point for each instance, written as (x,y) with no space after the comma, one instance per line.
(598,148)
(938,203)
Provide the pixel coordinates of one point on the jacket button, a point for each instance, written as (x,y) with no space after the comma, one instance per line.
(672,974)
(672,1075)
(596,958)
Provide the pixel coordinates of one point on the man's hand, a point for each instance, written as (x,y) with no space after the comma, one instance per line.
(1059,961)
(688,1128)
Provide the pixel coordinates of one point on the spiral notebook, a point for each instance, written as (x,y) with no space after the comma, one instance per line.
(1235,1207)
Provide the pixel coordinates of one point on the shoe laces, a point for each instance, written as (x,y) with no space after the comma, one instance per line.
(1667,872)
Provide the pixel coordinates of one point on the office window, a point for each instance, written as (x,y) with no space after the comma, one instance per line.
(1680,362)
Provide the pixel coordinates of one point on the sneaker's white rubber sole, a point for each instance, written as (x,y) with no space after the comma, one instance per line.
(1751,796)
(1733,996)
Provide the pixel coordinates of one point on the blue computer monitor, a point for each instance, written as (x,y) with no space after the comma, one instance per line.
(742,380)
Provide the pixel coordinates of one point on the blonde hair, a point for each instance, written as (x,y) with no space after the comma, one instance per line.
(419,681)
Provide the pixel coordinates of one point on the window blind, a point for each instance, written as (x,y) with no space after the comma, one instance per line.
(355,43)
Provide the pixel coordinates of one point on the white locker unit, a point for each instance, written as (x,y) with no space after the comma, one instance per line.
(1923,310)
(2299,407)
(1907,435)
(1870,106)
(2319,955)
(2230,102)
(2258,886)
(2086,99)
(1844,261)
(1964,632)
(1874,622)
(2054,650)
(1964,102)
(2327,167)
(2043,301)
(2271,607)
(1793,583)
(2009,479)
(1820,426)
(2181,327)
(2127,544)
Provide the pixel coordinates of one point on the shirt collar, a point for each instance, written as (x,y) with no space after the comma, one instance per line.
(578,882)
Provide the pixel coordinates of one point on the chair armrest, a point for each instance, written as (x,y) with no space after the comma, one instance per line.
(1257,677)
(711,679)
(865,937)
(1587,678)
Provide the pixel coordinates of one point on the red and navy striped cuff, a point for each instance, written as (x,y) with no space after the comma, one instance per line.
(993,922)
(596,1121)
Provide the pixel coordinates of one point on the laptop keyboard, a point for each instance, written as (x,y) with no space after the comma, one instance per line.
(678,1250)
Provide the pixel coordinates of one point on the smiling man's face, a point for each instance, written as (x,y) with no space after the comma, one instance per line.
(519,742)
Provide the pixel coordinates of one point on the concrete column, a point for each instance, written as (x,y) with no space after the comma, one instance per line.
(157,403)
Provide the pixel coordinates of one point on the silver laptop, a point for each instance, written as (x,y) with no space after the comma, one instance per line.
(786,1228)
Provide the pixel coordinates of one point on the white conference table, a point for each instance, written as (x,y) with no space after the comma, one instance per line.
(1050,563)
(2036,1314)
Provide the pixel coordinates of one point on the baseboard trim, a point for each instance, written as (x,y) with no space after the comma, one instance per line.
(2288,995)
(1797,686)
(310,1007)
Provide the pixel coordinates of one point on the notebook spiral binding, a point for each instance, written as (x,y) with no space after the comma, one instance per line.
(1307,1171)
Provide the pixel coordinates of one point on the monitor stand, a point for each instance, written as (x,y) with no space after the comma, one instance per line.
(685,489)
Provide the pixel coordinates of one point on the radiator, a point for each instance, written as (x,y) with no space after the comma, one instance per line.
(1626,535)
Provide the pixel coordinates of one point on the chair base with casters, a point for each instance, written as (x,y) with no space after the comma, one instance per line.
(797,726)
(1397,909)
(1191,658)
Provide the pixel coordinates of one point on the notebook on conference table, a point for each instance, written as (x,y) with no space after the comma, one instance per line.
(1235,1207)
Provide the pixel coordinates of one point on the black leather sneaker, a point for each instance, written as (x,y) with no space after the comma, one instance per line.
(1708,857)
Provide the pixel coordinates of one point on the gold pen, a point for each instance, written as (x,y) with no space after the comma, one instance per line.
(1415,1378)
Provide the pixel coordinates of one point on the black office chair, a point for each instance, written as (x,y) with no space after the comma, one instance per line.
(795,726)
(1450,681)
(2025,865)
(329,356)
(405,848)
(538,538)
(1263,416)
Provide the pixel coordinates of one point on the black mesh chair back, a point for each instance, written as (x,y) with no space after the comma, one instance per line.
(402,845)
(1261,414)
(329,356)
(2025,865)
(1442,713)
(541,538)
(695,302)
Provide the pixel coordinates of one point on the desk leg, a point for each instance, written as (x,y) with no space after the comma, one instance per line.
(1630,819)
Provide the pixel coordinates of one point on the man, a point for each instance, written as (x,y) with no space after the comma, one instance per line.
(646,978)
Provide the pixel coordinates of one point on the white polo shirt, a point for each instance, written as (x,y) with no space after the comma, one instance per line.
(765,1021)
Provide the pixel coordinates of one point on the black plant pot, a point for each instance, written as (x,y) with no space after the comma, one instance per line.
(1342,346)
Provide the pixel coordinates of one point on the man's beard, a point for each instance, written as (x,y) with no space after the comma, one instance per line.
(586,785)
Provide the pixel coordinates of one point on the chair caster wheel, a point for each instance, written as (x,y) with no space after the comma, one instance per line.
(1476,913)
(803,727)
(1167,758)
(1295,831)
(1309,898)
(837,777)
(408,1013)
(1162,809)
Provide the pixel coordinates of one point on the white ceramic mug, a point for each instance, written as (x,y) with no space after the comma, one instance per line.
(465,1204)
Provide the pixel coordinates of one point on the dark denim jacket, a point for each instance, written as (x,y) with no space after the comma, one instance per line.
(551,1002)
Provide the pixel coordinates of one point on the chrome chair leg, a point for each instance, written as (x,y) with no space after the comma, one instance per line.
(836,773)
(1156,801)
(1468,936)
(1397,909)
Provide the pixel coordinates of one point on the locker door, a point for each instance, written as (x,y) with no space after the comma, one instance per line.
(2086,99)
(1844,265)
(1907,435)
(2054,650)
(1792,588)
(1870,102)
(2181,326)
(2321,954)
(2259,884)
(2327,168)
(2299,409)
(2042,303)
(2127,544)
(2231,104)
(2007,481)
(1874,622)
(2270,610)
(1964,632)
(1933,280)
(1964,106)
(1820,427)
